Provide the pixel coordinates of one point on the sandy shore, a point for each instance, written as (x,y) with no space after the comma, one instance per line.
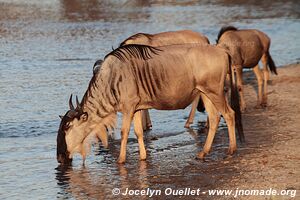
(271,156)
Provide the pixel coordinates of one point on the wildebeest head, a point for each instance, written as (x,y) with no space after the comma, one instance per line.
(70,137)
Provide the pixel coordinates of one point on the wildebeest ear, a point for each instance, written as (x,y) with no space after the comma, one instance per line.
(84,116)
(97,66)
(60,116)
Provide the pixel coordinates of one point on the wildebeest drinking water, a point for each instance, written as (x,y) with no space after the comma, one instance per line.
(163,39)
(138,77)
(247,47)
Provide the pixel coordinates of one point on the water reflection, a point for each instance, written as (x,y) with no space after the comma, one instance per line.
(97,181)
(111,11)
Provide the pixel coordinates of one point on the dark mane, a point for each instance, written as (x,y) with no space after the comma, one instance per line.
(135,50)
(149,36)
(224,29)
(92,84)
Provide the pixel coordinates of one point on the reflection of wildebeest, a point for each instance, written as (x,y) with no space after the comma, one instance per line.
(247,47)
(138,77)
(163,39)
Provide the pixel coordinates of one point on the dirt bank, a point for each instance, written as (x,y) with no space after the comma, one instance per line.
(271,156)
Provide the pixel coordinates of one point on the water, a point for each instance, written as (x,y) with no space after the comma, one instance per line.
(47,50)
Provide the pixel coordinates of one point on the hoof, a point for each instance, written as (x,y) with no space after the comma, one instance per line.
(143,157)
(187,125)
(264,102)
(120,161)
(201,155)
(148,126)
(231,151)
(263,105)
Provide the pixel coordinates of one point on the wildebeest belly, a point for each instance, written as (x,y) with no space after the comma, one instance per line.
(252,60)
(174,98)
(252,53)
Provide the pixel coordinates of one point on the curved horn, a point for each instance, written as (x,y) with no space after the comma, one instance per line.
(77,102)
(70,103)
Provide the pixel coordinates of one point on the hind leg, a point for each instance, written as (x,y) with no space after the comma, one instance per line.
(264,60)
(138,129)
(146,121)
(147,118)
(259,78)
(227,87)
(229,116)
(192,113)
(239,72)
(214,119)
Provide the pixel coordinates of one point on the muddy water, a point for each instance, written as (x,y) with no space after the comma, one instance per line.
(47,50)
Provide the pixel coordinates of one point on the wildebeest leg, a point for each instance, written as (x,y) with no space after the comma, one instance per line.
(264,61)
(207,122)
(259,78)
(229,117)
(102,136)
(227,87)
(138,129)
(214,119)
(192,113)
(239,72)
(126,121)
(146,121)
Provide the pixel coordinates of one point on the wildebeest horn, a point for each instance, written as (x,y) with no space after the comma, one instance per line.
(70,103)
(77,102)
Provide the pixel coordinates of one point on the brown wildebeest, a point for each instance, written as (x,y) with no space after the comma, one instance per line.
(138,77)
(247,47)
(163,39)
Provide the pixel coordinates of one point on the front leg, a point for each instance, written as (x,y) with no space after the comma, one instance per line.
(138,129)
(126,121)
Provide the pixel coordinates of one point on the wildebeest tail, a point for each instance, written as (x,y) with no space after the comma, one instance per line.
(271,64)
(235,103)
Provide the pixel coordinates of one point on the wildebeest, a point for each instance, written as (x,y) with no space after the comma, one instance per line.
(166,38)
(247,47)
(163,39)
(138,77)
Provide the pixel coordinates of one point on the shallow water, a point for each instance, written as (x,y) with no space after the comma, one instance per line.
(47,51)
